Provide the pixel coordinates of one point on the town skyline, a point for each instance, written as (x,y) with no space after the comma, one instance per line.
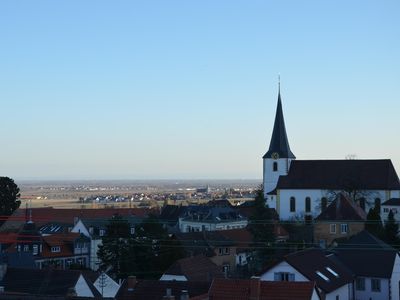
(172,91)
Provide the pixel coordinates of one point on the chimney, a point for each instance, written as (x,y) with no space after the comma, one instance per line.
(184,295)
(168,295)
(131,282)
(3,270)
(254,288)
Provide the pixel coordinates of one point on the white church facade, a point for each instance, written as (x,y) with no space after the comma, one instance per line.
(301,189)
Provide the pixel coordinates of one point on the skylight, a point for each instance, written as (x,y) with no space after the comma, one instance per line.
(332,272)
(322,276)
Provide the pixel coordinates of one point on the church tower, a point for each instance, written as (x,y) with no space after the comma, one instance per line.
(276,161)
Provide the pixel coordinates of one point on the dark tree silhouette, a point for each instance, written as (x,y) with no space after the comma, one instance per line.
(391,230)
(9,196)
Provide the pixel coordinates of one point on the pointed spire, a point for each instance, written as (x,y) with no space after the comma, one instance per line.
(279,142)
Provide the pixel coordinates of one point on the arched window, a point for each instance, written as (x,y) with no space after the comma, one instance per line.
(324,203)
(378,204)
(362,203)
(308,204)
(275,166)
(292,204)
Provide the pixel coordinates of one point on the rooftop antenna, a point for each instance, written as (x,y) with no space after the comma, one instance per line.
(30,211)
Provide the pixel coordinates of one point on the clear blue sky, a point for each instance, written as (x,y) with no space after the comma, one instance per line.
(188,89)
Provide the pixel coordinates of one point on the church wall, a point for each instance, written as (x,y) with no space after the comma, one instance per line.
(315,196)
(270,177)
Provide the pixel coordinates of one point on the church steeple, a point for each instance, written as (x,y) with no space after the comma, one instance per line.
(279,145)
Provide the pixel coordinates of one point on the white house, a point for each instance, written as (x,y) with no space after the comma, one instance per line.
(300,189)
(95,229)
(393,205)
(333,281)
(375,265)
(210,218)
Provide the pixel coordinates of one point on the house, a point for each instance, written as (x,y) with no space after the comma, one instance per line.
(393,204)
(94,230)
(46,282)
(196,268)
(301,189)
(220,250)
(375,265)
(133,289)
(254,289)
(211,218)
(341,219)
(333,280)
(242,239)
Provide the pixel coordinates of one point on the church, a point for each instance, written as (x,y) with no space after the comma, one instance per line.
(302,189)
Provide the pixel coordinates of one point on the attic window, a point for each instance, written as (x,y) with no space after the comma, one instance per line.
(332,272)
(56,249)
(275,166)
(322,276)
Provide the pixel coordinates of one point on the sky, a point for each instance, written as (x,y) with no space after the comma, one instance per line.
(188,89)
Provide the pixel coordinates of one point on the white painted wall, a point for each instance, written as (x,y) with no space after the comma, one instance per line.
(110,287)
(395,279)
(282,267)
(385,209)
(184,225)
(82,288)
(270,177)
(344,293)
(80,228)
(369,294)
(282,202)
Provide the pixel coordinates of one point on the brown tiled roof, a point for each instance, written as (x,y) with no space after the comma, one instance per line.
(310,261)
(245,289)
(196,268)
(241,238)
(340,175)
(343,209)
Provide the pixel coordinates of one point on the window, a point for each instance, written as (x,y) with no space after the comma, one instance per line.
(308,204)
(283,276)
(337,297)
(102,232)
(223,251)
(360,284)
(292,204)
(362,203)
(275,166)
(333,228)
(322,244)
(324,203)
(35,249)
(56,249)
(386,210)
(343,228)
(378,204)
(226,268)
(26,248)
(375,285)
(132,230)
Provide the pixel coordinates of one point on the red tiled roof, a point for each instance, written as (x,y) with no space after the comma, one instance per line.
(41,216)
(196,268)
(245,289)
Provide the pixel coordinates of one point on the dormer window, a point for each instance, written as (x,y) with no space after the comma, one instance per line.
(275,166)
(56,249)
